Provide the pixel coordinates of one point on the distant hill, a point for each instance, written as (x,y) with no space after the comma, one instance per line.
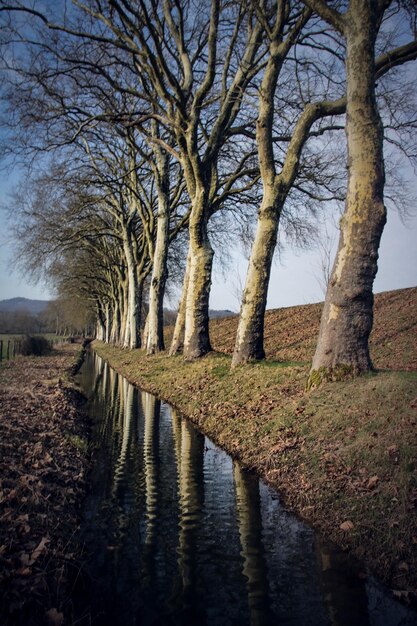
(37,306)
(23,304)
(214,314)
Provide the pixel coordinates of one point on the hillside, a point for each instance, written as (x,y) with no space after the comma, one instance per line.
(291,333)
(23,304)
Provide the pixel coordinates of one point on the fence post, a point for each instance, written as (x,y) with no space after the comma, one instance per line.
(1,350)
(8,349)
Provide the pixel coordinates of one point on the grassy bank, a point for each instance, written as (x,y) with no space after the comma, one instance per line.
(343,456)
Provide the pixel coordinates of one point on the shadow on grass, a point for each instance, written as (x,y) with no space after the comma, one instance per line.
(276,363)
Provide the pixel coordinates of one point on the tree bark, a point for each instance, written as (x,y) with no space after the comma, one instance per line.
(249,344)
(101,324)
(132,332)
(347,317)
(177,343)
(116,320)
(196,337)
(155,337)
(108,322)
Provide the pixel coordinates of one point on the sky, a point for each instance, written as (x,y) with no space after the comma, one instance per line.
(295,277)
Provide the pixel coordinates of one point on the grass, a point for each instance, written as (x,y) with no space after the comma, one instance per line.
(80,443)
(343,452)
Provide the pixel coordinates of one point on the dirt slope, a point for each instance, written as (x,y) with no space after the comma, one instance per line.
(291,333)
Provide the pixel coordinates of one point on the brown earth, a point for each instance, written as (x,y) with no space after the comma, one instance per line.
(42,464)
(291,333)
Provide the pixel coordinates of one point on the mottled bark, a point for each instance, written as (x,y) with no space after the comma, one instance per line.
(123,313)
(100,330)
(250,334)
(101,325)
(177,343)
(155,336)
(145,331)
(108,323)
(348,311)
(116,322)
(196,336)
(132,331)
(249,344)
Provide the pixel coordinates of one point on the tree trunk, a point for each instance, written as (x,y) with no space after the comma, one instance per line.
(248,508)
(132,331)
(249,344)
(124,325)
(177,343)
(196,337)
(108,323)
(101,324)
(116,320)
(347,317)
(155,337)
(145,331)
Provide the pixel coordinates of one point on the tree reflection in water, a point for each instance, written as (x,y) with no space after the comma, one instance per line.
(178,533)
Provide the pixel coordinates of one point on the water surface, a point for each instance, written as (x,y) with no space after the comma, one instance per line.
(179,534)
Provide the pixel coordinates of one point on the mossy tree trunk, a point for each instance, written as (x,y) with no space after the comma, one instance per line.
(348,311)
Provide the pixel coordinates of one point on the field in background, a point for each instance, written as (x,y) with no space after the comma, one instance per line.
(9,343)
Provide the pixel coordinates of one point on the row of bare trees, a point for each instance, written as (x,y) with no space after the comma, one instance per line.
(61,317)
(154,127)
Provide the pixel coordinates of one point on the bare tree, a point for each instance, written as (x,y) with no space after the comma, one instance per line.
(325,245)
(282,27)
(348,311)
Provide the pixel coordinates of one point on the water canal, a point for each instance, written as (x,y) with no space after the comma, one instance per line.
(179,534)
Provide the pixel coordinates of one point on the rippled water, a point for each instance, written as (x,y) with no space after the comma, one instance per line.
(179,534)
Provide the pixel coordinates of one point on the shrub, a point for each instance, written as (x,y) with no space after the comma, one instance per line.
(36,346)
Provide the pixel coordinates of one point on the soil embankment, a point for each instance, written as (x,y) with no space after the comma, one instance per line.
(43,460)
(343,456)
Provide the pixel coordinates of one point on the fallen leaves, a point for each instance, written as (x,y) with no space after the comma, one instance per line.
(347,526)
(372,482)
(38,550)
(41,480)
(54,617)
